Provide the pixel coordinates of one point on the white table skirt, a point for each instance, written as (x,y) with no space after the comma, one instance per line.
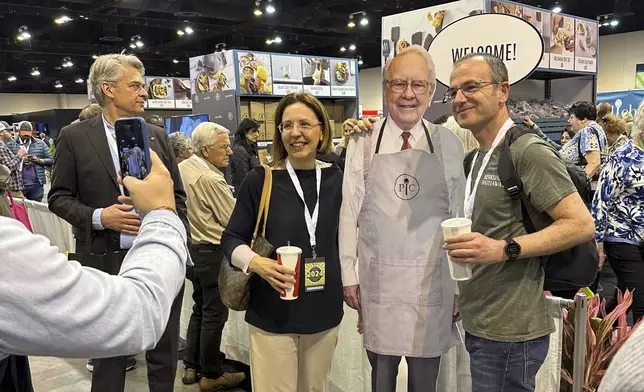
(351,372)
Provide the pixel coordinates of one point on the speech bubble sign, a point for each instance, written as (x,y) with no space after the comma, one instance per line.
(514,40)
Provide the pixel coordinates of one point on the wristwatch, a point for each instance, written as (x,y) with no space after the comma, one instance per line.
(512,249)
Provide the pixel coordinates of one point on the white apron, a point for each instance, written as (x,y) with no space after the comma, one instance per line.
(406,292)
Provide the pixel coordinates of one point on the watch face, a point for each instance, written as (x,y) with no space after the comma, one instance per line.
(513,250)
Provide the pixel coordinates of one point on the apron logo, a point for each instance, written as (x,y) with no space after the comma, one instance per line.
(406,187)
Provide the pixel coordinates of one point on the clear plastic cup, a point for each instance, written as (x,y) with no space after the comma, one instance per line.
(453,227)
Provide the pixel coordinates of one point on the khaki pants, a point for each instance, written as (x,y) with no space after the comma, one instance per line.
(291,363)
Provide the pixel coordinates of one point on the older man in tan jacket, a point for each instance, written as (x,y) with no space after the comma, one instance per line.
(210,204)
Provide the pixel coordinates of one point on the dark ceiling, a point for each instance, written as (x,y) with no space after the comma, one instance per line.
(317,27)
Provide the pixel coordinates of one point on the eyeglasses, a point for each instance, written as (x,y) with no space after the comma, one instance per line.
(303,125)
(468,90)
(400,86)
(135,87)
(254,131)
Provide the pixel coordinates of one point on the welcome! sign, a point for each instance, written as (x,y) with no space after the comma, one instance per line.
(512,39)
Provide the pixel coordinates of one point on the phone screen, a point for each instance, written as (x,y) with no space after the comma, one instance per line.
(133,147)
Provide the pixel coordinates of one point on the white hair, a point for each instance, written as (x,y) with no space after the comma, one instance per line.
(108,68)
(431,77)
(205,135)
(179,142)
(637,134)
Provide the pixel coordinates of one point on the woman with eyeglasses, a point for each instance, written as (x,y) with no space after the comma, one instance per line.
(292,342)
(245,156)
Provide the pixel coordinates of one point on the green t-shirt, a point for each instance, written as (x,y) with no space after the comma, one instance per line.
(505,301)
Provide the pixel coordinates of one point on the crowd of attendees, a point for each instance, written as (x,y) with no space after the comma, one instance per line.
(316,204)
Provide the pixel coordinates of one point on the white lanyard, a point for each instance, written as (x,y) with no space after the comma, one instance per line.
(311,220)
(470,193)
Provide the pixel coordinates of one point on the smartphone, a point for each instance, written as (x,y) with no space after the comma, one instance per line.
(133,147)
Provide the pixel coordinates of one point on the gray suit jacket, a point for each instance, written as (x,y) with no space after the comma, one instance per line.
(84,179)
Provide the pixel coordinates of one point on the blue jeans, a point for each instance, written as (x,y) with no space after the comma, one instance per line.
(34,192)
(505,367)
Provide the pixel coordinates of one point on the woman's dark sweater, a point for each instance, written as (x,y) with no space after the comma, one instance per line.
(241,163)
(313,312)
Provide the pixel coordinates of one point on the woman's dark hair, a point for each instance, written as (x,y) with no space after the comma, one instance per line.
(583,110)
(568,132)
(307,99)
(247,125)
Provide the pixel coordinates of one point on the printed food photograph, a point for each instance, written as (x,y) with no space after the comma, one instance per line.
(212,73)
(563,36)
(586,39)
(158,88)
(182,89)
(255,74)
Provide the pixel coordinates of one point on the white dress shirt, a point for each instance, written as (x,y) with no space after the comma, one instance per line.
(110,134)
(50,306)
(353,189)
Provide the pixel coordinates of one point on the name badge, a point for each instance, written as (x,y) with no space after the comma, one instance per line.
(314,274)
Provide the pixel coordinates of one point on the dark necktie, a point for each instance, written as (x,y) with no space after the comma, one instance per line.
(406,145)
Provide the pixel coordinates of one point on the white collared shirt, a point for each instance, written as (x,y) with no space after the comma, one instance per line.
(353,188)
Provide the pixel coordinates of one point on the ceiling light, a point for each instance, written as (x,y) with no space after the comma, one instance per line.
(277,40)
(557,8)
(175,61)
(95,57)
(352,47)
(257,11)
(12,78)
(63,19)
(23,33)
(139,44)
(80,80)
(67,62)
(351,23)
(189,30)
(180,32)
(132,46)
(269,41)
(58,84)
(364,21)
(614,22)
(270,8)
(605,24)
(35,71)
(360,62)
(343,49)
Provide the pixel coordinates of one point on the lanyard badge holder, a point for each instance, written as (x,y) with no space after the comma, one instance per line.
(314,267)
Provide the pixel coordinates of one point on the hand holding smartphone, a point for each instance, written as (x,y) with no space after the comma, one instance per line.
(133,147)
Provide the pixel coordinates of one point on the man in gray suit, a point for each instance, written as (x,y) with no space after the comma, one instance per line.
(85,193)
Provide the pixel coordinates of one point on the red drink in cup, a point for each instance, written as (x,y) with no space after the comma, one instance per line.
(289,257)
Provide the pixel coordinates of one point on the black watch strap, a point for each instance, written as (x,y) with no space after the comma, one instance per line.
(512,249)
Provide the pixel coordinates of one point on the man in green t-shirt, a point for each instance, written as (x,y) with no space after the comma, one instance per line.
(504,309)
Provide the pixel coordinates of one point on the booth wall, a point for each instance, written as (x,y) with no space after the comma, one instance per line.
(25,103)
(619,55)
(370,88)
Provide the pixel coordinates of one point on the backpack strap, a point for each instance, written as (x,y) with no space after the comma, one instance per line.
(510,178)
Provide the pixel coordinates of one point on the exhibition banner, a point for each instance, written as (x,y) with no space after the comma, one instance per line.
(622,101)
(521,51)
